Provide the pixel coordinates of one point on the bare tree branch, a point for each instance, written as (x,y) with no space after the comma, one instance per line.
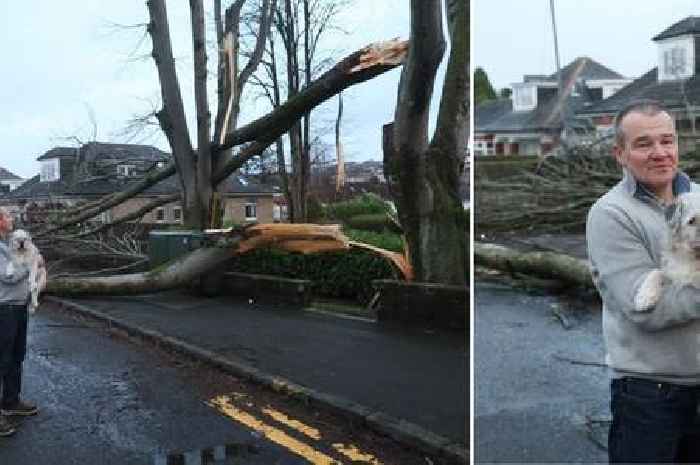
(114,199)
(360,66)
(135,215)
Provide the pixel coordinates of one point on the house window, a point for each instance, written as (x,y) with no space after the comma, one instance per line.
(524,98)
(251,212)
(50,170)
(160,214)
(675,62)
(126,170)
(177,214)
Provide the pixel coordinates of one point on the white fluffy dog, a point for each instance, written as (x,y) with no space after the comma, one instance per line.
(25,252)
(681,254)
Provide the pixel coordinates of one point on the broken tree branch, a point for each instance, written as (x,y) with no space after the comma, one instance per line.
(360,66)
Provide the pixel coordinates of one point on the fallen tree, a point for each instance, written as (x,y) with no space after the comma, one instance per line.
(219,247)
(440,224)
(553,197)
(548,265)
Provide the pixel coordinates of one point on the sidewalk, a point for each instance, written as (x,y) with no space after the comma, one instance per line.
(408,374)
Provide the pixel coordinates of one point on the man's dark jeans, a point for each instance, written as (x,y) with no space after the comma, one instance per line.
(654,422)
(13,346)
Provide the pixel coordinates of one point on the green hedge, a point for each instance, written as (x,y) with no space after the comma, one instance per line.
(385,240)
(366,204)
(342,275)
(375,222)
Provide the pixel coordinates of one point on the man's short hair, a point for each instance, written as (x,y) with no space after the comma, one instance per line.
(648,107)
(4,212)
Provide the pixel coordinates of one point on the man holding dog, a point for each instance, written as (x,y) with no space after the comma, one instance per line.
(654,354)
(14,296)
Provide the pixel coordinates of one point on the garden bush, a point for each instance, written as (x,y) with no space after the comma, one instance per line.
(375,222)
(341,275)
(365,204)
(385,240)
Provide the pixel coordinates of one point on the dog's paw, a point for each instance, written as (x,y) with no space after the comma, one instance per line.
(649,292)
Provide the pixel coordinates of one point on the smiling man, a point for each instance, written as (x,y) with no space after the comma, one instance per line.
(14,296)
(654,354)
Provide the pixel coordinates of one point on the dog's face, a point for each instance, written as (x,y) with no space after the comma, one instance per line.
(20,241)
(685,222)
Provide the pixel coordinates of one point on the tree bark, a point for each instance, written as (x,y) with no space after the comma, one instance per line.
(339,156)
(548,265)
(423,177)
(172,116)
(203,186)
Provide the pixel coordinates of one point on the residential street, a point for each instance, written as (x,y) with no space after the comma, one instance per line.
(108,400)
(540,395)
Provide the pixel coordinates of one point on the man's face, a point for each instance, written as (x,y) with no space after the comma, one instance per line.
(6,224)
(650,149)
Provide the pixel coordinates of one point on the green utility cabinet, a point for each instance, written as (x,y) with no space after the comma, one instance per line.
(164,246)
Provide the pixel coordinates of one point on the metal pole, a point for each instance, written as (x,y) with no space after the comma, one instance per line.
(559,76)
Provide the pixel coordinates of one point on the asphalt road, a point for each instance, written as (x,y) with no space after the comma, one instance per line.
(106,400)
(411,373)
(539,397)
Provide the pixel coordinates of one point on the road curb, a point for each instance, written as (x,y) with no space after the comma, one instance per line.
(405,432)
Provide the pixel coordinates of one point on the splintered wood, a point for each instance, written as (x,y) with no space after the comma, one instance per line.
(304,238)
(312,238)
(389,53)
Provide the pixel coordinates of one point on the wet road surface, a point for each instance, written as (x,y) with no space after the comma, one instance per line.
(106,400)
(411,373)
(539,395)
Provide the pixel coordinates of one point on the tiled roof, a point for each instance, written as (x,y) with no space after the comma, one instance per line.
(6,175)
(670,93)
(590,70)
(235,184)
(497,116)
(689,25)
(108,151)
(58,152)
(87,184)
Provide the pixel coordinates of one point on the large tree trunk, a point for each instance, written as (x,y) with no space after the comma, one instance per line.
(203,187)
(172,116)
(423,177)
(548,265)
(296,149)
(304,238)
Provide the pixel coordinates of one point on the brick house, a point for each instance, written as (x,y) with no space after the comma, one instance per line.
(530,123)
(69,176)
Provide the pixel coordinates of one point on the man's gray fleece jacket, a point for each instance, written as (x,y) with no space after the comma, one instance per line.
(14,287)
(625,234)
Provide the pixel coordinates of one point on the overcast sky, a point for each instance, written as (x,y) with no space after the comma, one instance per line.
(514,37)
(63,60)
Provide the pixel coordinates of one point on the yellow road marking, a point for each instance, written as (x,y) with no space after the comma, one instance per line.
(280,417)
(223,405)
(356,455)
